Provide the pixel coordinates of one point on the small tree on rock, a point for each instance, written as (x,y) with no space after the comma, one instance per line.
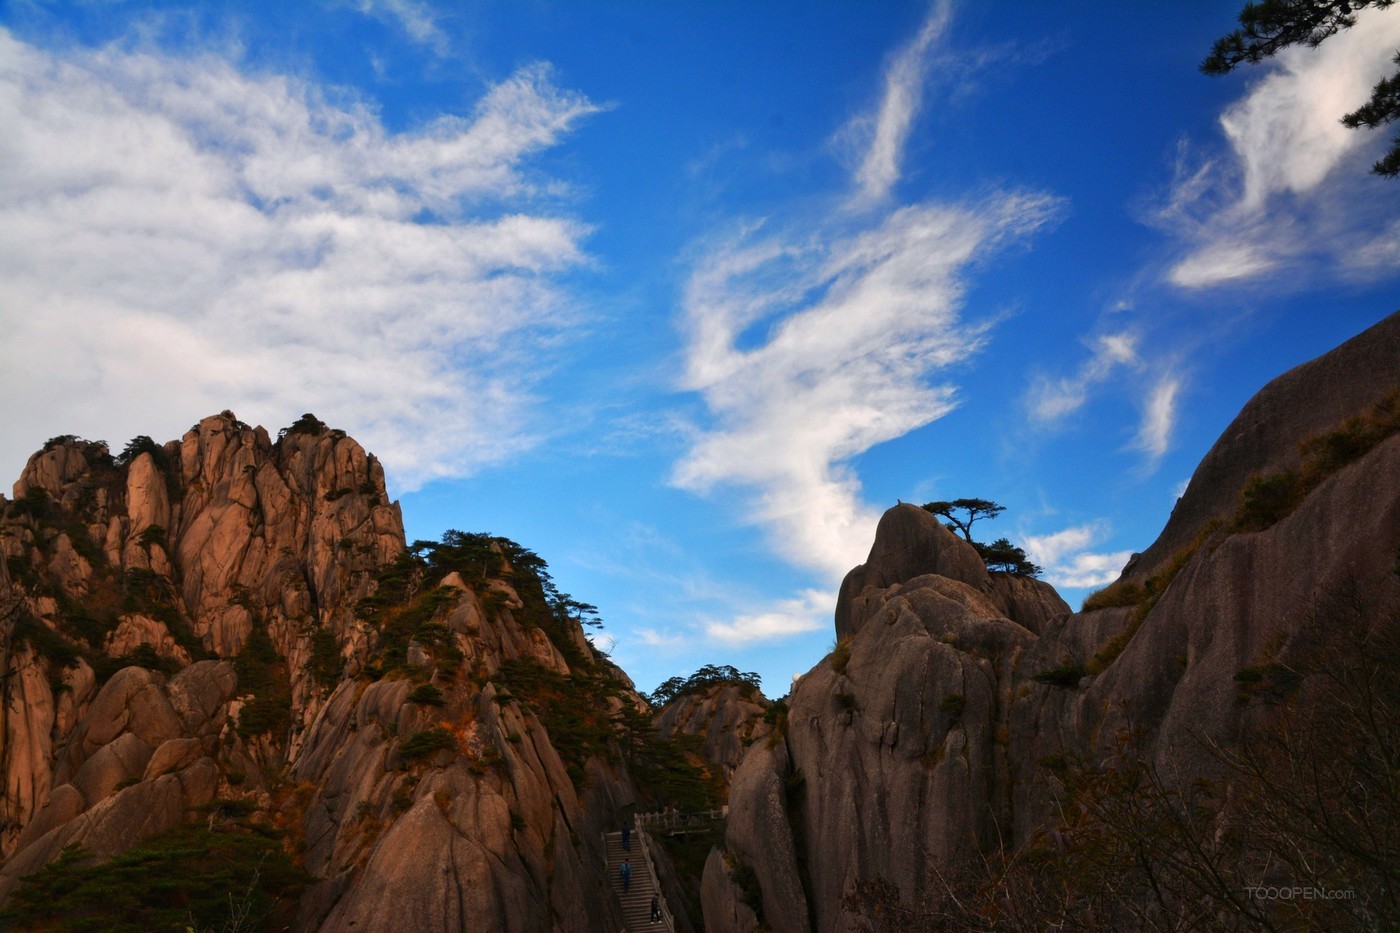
(1001,555)
(975,509)
(1004,556)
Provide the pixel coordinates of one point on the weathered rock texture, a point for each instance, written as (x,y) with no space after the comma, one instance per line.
(918,740)
(727,718)
(231,618)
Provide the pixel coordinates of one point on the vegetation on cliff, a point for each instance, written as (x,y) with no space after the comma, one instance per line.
(245,880)
(1297,828)
(708,676)
(1001,555)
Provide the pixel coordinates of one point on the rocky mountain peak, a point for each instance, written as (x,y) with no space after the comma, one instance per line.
(229,630)
(969,736)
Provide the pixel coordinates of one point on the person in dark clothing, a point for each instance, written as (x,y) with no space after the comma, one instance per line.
(626,872)
(655,909)
(626,838)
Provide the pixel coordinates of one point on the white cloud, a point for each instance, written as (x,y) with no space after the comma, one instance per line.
(1051,400)
(179,236)
(884,133)
(1381,253)
(1068,561)
(664,640)
(808,612)
(1158,417)
(1288,188)
(811,347)
(850,332)
(413,17)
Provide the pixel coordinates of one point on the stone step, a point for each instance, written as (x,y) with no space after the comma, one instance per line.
(636,903)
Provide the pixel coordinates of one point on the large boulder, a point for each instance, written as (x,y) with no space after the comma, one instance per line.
(909,542)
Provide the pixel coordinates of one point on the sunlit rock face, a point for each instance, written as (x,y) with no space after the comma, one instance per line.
(230,623)
(921,739)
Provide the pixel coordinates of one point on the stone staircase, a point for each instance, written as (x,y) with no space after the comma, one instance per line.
(636,903)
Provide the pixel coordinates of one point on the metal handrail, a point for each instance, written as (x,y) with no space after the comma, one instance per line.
(645,839)
(673,819)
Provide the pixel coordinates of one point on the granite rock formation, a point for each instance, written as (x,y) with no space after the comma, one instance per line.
(233,624)
(921,741)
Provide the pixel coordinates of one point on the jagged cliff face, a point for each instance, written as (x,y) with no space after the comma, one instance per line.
(175,553)
(229,623)
(924,738)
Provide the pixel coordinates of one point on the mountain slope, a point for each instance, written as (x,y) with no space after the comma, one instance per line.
(952,736)
(231,629)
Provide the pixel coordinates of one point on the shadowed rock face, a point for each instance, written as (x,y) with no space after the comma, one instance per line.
(227,542)
(140,761)
(728,717)
(920,738)
(1264,436)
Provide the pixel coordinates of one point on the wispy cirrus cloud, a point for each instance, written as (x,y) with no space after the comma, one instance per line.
(1068,559)
(1292,186)
(1158,418)
(813,343)
(179,235)
(1051,400)
(884,133)
(854,331)
(416,18)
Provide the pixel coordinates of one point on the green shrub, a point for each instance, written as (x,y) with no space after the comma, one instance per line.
(704,678)
(152,886)
(1001,556)
(426,695)
(1269,681)
(263,673)
(150,594)
(1265,499)
(668,770)
(153,534)
(423,744)
(840,655)
(750,892)
(138,445)
(326,662)
(59,651)
(1118,593)
(1067,674)
(35,503)
(953,703)
(141,656)
(306,424)
(21,570)
(1268,498)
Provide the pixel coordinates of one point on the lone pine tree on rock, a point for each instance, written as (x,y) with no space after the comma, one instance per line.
(975,509)
(1001,554)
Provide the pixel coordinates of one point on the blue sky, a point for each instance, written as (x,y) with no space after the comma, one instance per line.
(683,295)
